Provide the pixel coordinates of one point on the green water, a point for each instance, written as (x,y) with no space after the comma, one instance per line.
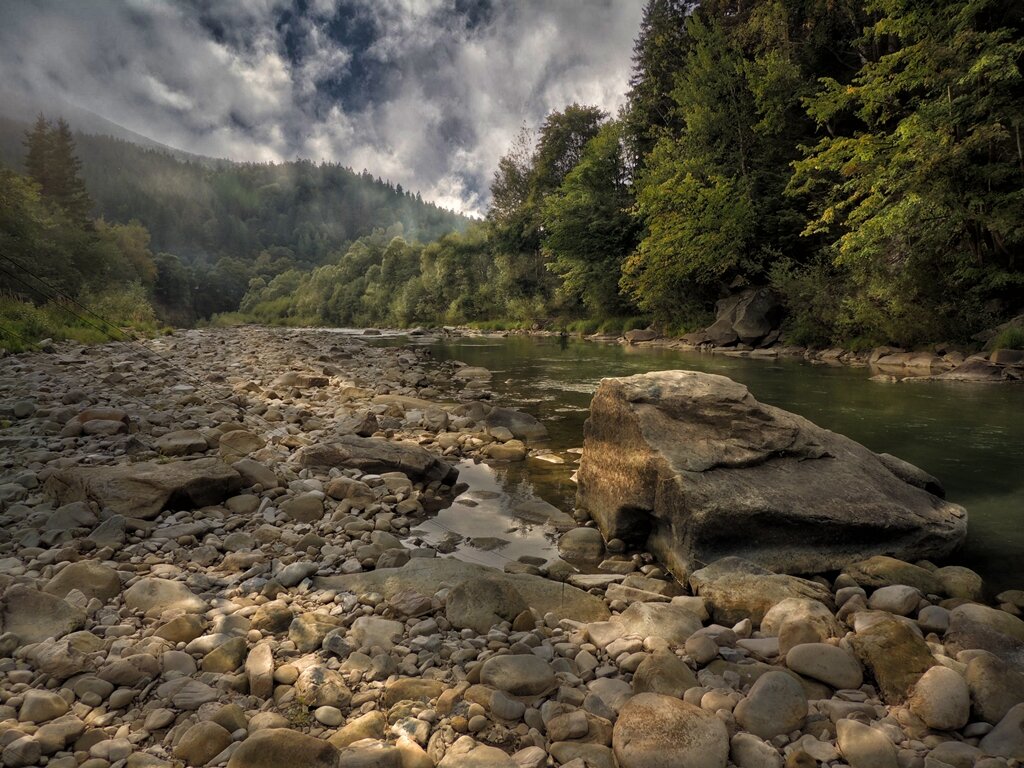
(970,436)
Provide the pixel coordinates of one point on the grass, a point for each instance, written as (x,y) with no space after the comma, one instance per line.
(123,311)
(1008,338)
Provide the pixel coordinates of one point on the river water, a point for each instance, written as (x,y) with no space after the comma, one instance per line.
(969,436)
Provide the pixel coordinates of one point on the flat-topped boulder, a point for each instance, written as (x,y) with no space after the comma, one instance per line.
(146,488)
(377,455)
(690,466)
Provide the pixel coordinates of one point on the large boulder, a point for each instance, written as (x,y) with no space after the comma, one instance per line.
(690,466)
(523,426)
(144,489)
(746,318)
(377,455)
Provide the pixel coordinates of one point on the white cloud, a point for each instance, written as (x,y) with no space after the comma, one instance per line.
(249,80)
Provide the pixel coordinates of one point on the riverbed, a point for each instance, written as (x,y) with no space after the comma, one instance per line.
(970,436)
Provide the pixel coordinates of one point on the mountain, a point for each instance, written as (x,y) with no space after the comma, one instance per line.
(203,209)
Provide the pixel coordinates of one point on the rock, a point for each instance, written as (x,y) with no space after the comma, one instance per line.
(663,672)
(737,589)
(864,746)
(21,752)
(238,444)
(428,575)
(882,571)
(144,489)
(34,616)
(973,626)
(812,611)
(830,664)
(90,578)
(476,756)
(201,743)
(369,726)
(411,689)
(690,467)
(942,699)
(181,443)
(273,617)
(309,630)
(318,686)
(293,573)
(674,623)
(523,426)
(899,599)
(1007,738)
(748,751)
(961,582)
(481,603)
(520,675)
(182,629)
(254,473)
(541,512)
(158,595)
(377,455)
(304,508)
(747,317)
(895,655)
(911,474)
(41,707)
(513,450)
(655,731)
(276,747)
(186,693)
(259,669)
(996,686)
(638,334)
(226,657)
(584,544)
(776,704)
(373,631)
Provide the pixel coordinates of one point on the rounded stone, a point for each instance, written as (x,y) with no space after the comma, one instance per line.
(776,704)
(942,699)
(864,746)
(41,707)
(656,731)
(827,663)
(519,675)
(581,544)
(274,747)
(897,598)
(201,743)
(329,716)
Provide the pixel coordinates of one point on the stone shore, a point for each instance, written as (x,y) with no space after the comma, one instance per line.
(208,557)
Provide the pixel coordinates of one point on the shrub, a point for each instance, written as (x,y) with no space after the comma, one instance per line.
(1009,338)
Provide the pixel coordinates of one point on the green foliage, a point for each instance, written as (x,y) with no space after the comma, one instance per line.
(1008,338)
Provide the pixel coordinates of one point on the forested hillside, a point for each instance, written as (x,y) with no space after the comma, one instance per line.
(862,159)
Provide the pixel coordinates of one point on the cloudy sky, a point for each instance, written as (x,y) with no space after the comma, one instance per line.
(427,93)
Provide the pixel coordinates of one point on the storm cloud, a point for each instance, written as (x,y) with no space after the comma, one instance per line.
(426,93)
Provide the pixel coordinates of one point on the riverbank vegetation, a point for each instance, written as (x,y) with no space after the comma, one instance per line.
(862,158)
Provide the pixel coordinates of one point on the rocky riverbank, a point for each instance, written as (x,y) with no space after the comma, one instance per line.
(209,557)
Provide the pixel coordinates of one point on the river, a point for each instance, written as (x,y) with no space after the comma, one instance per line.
(970,436)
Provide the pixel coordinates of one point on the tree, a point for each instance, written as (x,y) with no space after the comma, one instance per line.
(588,229)
(37,150)
(922,185)
(659,55)
(51,161)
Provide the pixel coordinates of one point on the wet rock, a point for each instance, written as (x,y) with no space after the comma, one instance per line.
(522,425)
(655,731)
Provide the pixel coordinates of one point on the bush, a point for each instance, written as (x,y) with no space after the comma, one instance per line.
(1008,338)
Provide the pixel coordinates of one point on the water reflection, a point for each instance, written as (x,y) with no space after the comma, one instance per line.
(969,436)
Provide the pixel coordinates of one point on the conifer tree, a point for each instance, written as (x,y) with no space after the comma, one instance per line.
(37,142)
(68,191)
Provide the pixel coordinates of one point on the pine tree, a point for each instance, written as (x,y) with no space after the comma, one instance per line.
(68,191)
(659,54)
(37,142)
